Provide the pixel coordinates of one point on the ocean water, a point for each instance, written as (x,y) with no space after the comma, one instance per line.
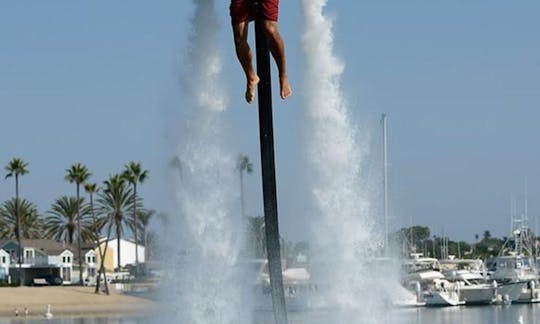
(526,313)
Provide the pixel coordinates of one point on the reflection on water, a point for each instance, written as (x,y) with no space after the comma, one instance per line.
(527,313)
(82,320)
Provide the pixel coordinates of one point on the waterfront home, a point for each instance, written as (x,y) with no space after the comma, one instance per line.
(4,265)
(43,258)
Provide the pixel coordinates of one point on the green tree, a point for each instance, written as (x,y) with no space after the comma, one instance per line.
(115,200)
(17,168)
(24,213)
(412,238)
(78,174)
(134,174)
(243,165)
(61,222)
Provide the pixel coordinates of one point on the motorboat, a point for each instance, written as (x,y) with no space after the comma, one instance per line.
(443,293)
(517,277)
(470,276)
(423,277)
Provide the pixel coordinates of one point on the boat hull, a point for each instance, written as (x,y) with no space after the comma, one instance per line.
(512,291)
(477,295)
(443,298)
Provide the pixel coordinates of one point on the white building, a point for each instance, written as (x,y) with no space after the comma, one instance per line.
(127,253)
(4,265)
(63,261)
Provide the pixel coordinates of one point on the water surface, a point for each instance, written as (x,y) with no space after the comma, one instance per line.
(528,313)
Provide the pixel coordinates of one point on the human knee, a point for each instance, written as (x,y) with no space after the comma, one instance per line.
(270,27)
(240,44)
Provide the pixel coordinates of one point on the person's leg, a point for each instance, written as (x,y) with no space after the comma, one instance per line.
(243,52)
(277,48)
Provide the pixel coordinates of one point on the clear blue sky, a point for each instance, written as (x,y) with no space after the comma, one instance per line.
(97,82)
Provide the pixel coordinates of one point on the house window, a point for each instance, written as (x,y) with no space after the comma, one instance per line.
(29,255)
(3,259)
(66,259)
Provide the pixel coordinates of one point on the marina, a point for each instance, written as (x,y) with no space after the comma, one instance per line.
(270,162)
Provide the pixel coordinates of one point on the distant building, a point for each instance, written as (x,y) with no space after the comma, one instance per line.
(127,253)
(45,258)
(4,265)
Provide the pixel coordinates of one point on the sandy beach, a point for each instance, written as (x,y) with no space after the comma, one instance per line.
(70,301)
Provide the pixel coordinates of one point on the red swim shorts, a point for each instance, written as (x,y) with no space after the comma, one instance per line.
(242,10)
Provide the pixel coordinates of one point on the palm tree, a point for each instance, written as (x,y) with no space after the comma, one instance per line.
(91,189)
(115,200)
(31,224)
(16,168)
(64,215)
(243,165)
(144,217)
(78,174)
(134,174)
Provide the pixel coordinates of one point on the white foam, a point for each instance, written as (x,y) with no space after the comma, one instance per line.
(203,281)
(343,228)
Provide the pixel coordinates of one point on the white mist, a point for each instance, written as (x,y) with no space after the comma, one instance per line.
(344,233)
(203,283)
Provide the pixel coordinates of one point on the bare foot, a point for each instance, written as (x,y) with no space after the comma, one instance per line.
(285,87)
(250,89)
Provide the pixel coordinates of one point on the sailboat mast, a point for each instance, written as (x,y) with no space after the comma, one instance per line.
(385,180)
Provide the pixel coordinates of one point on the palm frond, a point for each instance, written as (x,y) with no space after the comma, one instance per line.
(30,220)
(16,167)
(61,222)
(77,173)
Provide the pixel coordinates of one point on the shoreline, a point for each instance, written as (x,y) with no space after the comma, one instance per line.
(70,301)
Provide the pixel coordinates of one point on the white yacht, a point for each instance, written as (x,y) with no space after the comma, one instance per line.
(444,293)
(517,267)
(517,277)
(470,275)
(430,284)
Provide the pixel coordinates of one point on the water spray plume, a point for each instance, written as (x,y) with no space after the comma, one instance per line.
(204,59)
(344,231)
(205,283)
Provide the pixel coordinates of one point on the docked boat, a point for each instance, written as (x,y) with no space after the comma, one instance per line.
(470,276)
(517,277)
(423,277)
(516,272)
(444,293)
